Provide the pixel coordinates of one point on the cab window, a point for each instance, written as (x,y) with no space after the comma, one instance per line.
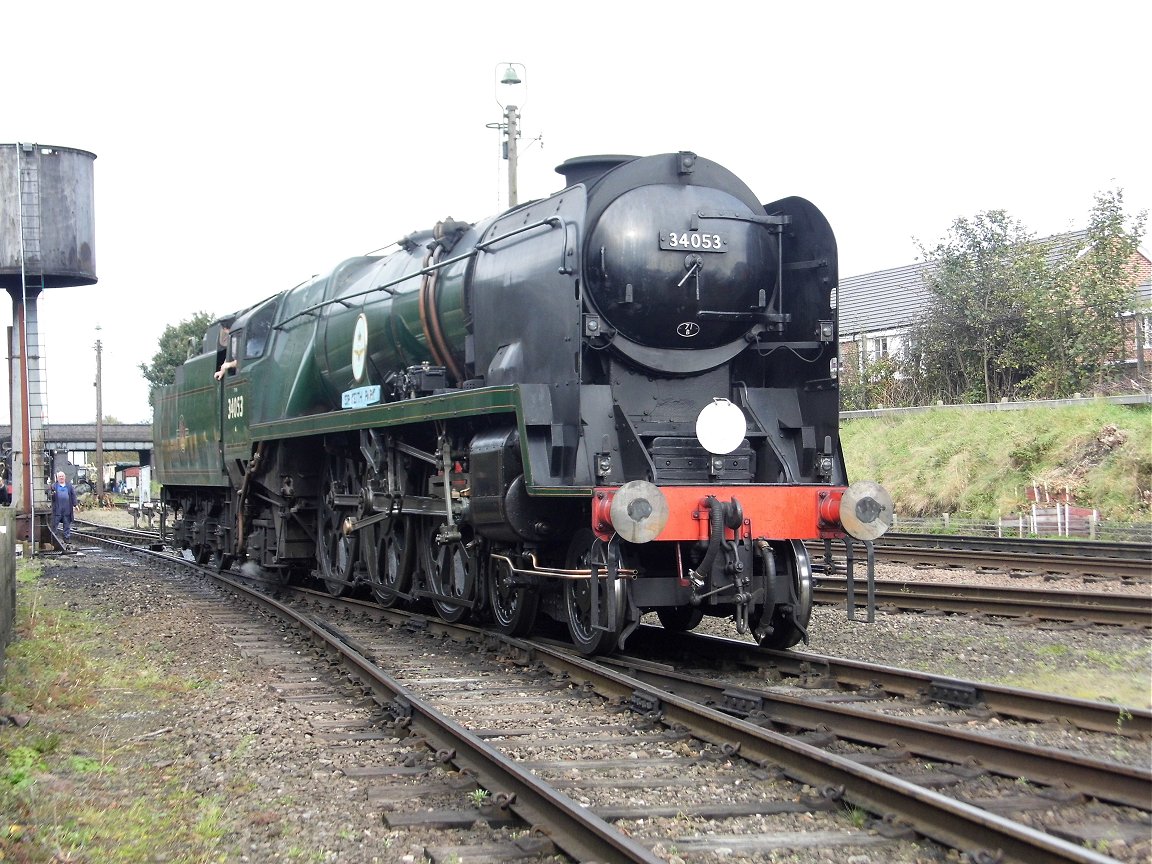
(258,330)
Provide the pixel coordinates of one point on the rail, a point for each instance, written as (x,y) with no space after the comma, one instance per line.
(1081,557)
(1123,610)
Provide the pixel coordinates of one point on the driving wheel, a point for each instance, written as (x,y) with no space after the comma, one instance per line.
(451,572)
(336,551)
(395,556)
(513,606)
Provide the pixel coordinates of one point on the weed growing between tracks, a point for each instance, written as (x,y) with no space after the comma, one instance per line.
(1087,674)
(88,799)
(1075,663)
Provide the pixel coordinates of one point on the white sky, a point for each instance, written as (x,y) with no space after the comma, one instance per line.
(242,146)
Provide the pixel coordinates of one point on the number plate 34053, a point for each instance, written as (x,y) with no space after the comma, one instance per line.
(692,241)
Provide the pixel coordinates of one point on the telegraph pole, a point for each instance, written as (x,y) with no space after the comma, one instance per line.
(510,119)
(99,423)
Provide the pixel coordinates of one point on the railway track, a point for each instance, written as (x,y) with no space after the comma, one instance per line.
(528,732)
(1125,610)
(1105,608)
(1130,561)
(931,717)
(141,537)
(657,737)
(692,650)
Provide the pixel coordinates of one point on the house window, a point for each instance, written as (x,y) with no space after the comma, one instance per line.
(878,349)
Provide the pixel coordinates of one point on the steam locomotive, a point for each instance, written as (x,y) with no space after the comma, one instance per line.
(616,400)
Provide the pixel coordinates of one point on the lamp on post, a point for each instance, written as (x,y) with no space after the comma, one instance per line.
(511,93)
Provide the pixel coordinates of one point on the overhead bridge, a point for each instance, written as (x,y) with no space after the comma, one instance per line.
(81,437)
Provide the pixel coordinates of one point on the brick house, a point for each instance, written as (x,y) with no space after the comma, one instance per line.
(877,310)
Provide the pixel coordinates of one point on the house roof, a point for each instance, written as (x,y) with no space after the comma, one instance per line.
(894,299)
(884,300)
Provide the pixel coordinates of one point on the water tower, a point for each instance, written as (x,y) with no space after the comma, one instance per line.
(47,240)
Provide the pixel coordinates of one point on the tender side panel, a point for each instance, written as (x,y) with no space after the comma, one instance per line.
(187,427)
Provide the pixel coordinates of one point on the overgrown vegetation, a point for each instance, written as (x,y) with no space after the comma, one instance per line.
(66,803)
(980,464)
(1010,316)
(1087,676)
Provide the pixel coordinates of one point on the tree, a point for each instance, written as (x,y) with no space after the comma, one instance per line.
(1009,315)
(1076,326)
(981,284)
(174,343)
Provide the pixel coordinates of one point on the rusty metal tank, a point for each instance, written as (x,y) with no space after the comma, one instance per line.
(47,227)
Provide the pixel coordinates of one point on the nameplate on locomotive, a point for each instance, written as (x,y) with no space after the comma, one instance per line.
(360,397)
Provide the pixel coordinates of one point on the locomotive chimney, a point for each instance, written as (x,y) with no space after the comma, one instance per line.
(584,169)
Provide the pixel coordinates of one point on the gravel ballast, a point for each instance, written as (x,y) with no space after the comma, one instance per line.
(277,788)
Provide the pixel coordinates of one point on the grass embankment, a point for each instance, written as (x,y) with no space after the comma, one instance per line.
(66,793)
(980,464)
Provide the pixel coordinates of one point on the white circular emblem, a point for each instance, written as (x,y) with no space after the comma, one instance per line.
(721,426)
(359,347)
(688,329)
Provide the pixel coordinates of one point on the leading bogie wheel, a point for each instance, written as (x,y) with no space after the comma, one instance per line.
(589,638)
(337,561)
(221,560)
(680,618)
(782,629)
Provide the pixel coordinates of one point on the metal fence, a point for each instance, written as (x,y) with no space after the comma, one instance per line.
(1059,521)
